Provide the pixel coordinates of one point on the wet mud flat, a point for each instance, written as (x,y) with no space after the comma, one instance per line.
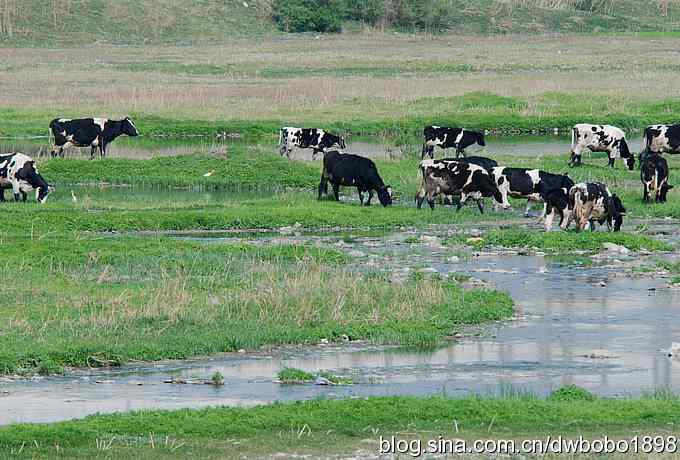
(602,326)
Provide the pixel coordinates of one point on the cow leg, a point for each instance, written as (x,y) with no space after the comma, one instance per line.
(461,203)
(430,199)
(336,191)
(460,152)
(527,209)
(24,195)
(611,162)
(548,222)
(370,197)
(314,152)
(93,148)
(323,186)
(480,205)
(102,149)
(645,194)
(361,196)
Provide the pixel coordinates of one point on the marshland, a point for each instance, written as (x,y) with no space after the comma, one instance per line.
(183,295)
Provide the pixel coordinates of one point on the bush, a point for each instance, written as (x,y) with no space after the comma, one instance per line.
(308,15)
(369,11)
(571,393)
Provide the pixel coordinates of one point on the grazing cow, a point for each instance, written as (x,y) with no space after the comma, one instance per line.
(661,139)
(445,138)
(600,138)
(96,133)
(307,138)
(654,177)
(19,172)
(353,170)
(532,184)
(592,201)
(452,177)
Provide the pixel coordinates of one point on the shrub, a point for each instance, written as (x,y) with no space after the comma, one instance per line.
(308,15)
(571,393)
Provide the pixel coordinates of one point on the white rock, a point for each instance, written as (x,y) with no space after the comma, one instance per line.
(453,259)
(355,253)
(611,247)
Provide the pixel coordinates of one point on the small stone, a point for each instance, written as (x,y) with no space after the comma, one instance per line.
(322,381)
(616,248)
(428,270)
(241,350)
(356,253)
(453,259)
(323,341)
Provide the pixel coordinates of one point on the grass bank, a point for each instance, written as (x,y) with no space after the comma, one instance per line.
(106,301)
(562,241)
(350,427)
(478,110)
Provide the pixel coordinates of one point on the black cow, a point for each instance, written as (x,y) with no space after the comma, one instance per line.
(96,133)
(532,184)
(445,138)
(307,138)
(661,139)
(556,204)
(452,177)
(18,171)
(591,202)
(355,171)
(654,177)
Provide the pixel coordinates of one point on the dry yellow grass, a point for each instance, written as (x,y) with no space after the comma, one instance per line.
(334,77)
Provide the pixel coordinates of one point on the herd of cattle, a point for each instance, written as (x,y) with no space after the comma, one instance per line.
(472,178)
(477,177)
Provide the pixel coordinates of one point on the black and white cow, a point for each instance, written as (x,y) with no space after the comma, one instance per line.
(661,139)
(532,184)
(95,133)
(486,163)
(19,172)
(354,171)
(445,138)
(600,138)
(591,202)
(654,177)
(452,177)
(307,138)
(556,204)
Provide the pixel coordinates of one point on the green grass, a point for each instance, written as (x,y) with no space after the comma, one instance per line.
(564,241)
(105,301)
(324,427)
(480,110)
(291,375)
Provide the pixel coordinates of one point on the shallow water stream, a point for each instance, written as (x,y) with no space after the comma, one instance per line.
(596,327)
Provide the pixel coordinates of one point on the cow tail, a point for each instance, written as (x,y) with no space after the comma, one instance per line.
(574,131)
(646,142)
(280,137)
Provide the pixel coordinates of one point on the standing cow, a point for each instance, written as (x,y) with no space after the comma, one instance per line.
(355,171)
(307,138)
(600,138)
(661,139)
(654,177)
(18,171)
(445,138)
(453,177)
(532,184)
(592,202)
(95,133)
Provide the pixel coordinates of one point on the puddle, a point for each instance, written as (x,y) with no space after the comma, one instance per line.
(590,326)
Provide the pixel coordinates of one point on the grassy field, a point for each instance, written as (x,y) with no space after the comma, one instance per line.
(349,428)
(106,301)
(368,83)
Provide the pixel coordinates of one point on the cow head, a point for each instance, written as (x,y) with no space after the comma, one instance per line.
(488,188)
(42,192)
(618,211)
(385,195)
(128,127)
(480,139)
(575,160)
(664,191)
(625,153)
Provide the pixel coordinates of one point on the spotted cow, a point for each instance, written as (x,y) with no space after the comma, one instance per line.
(95,133)
(307,138)
(591,202)
(532,184)
(18,171)
(445,138)
(454,177)
(661,139)
(654,177)
(600,138)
